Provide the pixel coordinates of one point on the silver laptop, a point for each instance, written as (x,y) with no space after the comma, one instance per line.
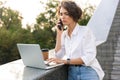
(31,55)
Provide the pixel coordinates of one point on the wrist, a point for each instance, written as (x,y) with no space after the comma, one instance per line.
(68,60)
(64,61)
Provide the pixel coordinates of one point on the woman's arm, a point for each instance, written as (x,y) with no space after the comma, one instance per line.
(89,48)
(58,40)
(77,61)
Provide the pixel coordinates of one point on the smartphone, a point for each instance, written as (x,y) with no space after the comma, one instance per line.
(60,24)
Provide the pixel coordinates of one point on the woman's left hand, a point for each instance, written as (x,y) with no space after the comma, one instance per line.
(56,60)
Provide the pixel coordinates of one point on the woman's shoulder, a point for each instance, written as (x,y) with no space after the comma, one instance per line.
(88,32)
(85,28)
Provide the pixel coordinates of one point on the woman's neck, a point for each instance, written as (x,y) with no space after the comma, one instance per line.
(71,28)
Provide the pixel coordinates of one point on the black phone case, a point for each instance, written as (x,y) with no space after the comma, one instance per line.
(60,25)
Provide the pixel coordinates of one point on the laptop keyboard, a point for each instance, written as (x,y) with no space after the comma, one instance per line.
(50,64)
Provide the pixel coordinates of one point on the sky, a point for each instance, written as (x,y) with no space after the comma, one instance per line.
(29,9)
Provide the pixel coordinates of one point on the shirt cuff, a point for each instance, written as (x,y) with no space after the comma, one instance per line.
(85,60)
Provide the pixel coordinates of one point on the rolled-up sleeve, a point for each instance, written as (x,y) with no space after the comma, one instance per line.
(89,48)
(60,53)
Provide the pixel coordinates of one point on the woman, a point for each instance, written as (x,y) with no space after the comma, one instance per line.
(76,46)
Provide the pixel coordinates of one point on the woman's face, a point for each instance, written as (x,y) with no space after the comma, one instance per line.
(64,16)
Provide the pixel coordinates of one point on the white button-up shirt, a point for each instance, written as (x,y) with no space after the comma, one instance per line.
(82,45)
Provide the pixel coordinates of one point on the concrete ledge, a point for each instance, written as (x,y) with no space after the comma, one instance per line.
(17,71)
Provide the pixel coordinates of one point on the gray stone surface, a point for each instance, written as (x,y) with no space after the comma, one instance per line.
(17,71)
(109,52)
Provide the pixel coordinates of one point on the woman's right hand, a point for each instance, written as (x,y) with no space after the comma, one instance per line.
(60,24)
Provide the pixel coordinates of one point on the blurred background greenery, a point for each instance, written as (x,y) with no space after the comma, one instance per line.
(43,33)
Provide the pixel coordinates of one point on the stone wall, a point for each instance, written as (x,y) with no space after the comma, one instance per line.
(109,52)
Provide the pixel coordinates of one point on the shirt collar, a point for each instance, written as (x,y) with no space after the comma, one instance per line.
(75,31)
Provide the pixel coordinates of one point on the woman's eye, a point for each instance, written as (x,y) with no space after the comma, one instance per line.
(66,14)
(61,14)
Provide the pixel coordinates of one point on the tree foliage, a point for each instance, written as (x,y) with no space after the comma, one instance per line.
(10,19)
(11,33)
(43,32)
(86,15)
